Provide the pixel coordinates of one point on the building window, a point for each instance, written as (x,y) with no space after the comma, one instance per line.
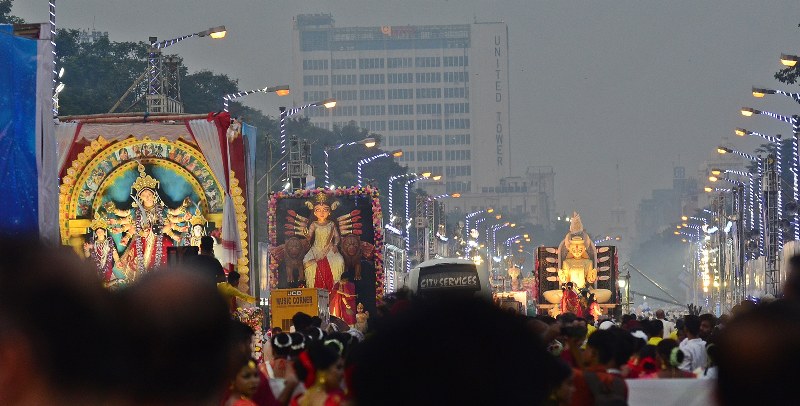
(395,94)
(315,96)
(401,78)
(400,140)
(401,125)
(373,125)
(456,139)
(456,92)
(343,79)
(370,63)
(401,109)
(429,139)
(315,64)
(457,155)
(429,156)
(340,111)
(456,77)
(316,112)
(456,108)
(435,170)
(460,187)
(456,123)
(430,108)
(427,61)
(372,79)
(407,156)
(345,95)
(433,124)
(429,93)
(398,62)
(343,64)
(429,77)
(456,61)
(373,110)
(315,80)
(461,170)
(373,94)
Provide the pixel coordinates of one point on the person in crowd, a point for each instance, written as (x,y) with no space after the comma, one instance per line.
(244,385)
(643,360)
(707,323)
(679,333)
(232,294)
(693,347)
(205,263)
(175,339)
(57,330)
(321,369)
(669,326)
(426,346)
(655,331)
(301,322)
(593,378)
(572,335)
(711,369)
(282,372)
(668,358)
(758,358)
(564,386)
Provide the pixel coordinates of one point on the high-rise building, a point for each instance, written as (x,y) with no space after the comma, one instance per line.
(438,92)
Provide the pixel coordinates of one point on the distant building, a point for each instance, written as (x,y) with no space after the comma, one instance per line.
(90,37)
(666,206)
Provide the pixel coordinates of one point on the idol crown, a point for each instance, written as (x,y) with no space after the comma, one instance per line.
(98,222)
(144,181)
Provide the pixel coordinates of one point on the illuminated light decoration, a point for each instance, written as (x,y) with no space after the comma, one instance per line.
(282,90)
(748,111)
(286,113)
(54,95)
(789,60)
(365,161)
(391,190)
(407,226)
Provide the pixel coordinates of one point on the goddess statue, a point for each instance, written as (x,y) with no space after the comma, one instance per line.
(323,264)
(102,250)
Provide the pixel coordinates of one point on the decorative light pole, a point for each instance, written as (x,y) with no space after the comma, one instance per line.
(469,216)
(367,142)
(396,154)
(282,90)
(407,225)
(163,96)
(286,113)
(794,121)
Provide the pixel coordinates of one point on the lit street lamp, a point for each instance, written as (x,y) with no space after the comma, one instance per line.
(396,154)
(367,142)
(282,90)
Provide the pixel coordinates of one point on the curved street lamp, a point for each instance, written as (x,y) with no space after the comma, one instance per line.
(367,142)
(396,154)
(282,90)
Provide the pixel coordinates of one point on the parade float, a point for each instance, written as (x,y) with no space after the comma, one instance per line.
(132,186)
(576,276)
(326,248)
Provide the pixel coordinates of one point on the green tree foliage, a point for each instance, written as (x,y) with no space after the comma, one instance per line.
(96,74)
(5,13)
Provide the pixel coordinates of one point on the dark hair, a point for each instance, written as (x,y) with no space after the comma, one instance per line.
(605,343)
(709,318)
(233,278)
(321,357)
(206,243)
(691,323)
(301,321)
(758,357)
(664,351)
(240,332)
(281,345)
(314,334)
(298,343)
(427,345)
(654,328)
(316,321)
(624,345)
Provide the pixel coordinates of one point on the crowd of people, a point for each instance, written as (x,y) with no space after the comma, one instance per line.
(169,339)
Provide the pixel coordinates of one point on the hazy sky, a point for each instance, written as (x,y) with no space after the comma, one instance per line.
(646,84)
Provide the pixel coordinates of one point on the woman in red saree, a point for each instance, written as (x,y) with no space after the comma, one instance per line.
(570,302)
(321,368)
(343,300)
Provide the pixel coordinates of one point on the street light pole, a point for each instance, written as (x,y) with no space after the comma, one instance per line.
(367,142)
(282,90)
(396,153)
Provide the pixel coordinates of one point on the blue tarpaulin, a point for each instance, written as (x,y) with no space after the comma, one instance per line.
(18,115)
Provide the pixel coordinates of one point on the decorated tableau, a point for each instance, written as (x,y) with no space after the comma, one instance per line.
(332,240)
(138,197)
(576,276)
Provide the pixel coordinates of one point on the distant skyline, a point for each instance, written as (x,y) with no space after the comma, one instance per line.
(649,85)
